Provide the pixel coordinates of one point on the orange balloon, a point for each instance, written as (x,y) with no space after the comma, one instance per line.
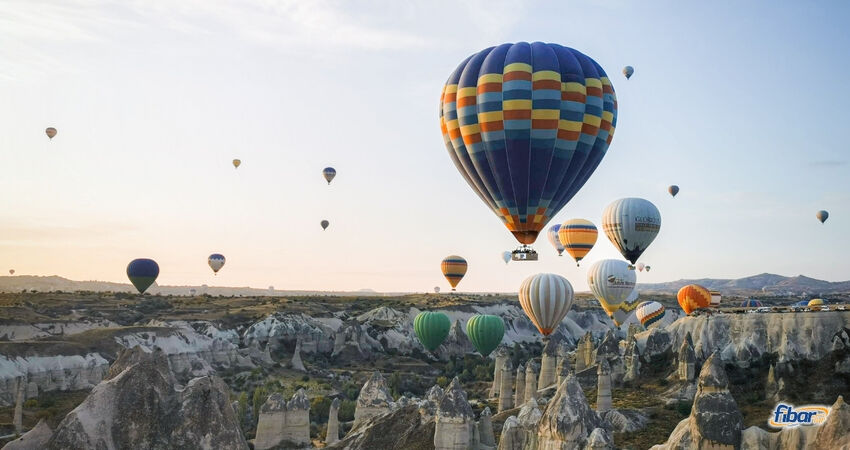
(693,297)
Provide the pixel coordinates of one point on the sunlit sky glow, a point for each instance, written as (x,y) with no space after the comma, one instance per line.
(742,104)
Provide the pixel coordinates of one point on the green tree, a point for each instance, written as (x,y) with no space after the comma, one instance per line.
(346,410)
(260,395)
(319,409)
(243,406)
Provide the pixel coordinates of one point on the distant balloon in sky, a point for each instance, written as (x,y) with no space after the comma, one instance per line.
(612,282)
(329,173)
(554,239)
(506,256)
(526,125)
(454,268)
(237,163)
(693,297)
(631,224)
(640,266)
(649,313)
(436,289)
(324,224)
(578,236)
(546,298)
(485,331)
(216,262)
(628,71)
(192,292)
(142,273)
(431,328)
(673,190)
(11,271)
(822,216)
(50,132)
(647,268)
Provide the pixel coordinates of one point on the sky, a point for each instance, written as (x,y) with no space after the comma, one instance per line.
(741,104)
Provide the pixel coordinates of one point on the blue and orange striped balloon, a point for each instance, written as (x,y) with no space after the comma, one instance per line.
(454,268)
(526,124)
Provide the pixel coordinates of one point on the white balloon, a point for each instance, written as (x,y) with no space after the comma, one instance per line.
(546,298)
(216,262)
(631,224)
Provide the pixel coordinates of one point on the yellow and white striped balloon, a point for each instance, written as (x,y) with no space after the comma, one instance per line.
(612,283)
(546,298)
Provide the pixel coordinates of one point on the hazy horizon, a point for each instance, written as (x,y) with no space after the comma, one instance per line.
(152,101)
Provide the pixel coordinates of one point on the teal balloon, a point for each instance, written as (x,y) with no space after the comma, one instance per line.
(431,328)
(485,332)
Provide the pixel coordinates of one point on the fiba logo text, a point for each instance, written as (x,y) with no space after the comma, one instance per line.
(789,416)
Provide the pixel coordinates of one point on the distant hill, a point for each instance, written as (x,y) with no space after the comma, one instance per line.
(765,283)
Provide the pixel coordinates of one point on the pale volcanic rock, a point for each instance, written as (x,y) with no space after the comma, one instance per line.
(600,439)
(567,420)
(34,439)
(519,391)
(332,434)
(374,399)
(520,432)
(530,381)
(501,355)
(454,420)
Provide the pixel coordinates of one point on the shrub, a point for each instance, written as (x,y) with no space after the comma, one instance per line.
(319,409)
(346,410)
(31,403)
(684,409)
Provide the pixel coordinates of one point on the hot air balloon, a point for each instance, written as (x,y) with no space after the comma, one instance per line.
(11,271)
(649,313)
(506,256)
(324,224)
(436,289)
(329,173)
(546,298)
(631,224)
(578,236)
(50,132)
(554,239)
(673,190)
(485,332)
(192,292)
(693,297)
(628,71)
(526,125)
(431,328)
(237,163)
(216,262)
(142,273)
(822,216)
(751,303)
(815,304)
(612,282)
(454,268)
(647,268)
(640,266)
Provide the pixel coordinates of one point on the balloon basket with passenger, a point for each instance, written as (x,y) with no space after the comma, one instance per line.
(524,253)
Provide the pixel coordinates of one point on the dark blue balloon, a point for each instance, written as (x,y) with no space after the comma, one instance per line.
(142,273)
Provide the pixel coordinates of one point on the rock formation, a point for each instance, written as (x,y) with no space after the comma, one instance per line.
(520,432)
(548,362)
(632,361)
(454,420)
(17,419)
(457,343)
(485,430)
(333,423)
(600,439)
(603,387)
(567,420)
(633,330)
(297,364)
(715,421)
(835,432)
(519,396)
(139,405)
(687,361)
(374,399)
(563,354)
(34,439)
(530,382)
(608,349)
(506,386)
(563,370)
(401,428)
(48,373)
(501,354)
(283,423)
(584,352)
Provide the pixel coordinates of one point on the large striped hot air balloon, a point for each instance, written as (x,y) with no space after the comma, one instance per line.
(554,239)
(693,297)
(649,313)
(216,262)
(578,236)
(546,298)
(454,268)
(612,282)
(526,125)
(485,331)
(142,273)
(631,224)
(431,328)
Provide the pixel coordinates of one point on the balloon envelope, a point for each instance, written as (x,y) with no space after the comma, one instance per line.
(751,303)
(554,239)
(50,132)
(436,289)
(822,216)
(628,71)
(693,297)
(578,236)
(431,328)
(237,163)
(506,256)
(11,271)
(631,224)
(640,266)
(329,173)
(142,273)
(216,262)
(649,313)
(612,283)
(673,190)
(324,224)
(546,298)
(453,268)
(526,125)
(485,332)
